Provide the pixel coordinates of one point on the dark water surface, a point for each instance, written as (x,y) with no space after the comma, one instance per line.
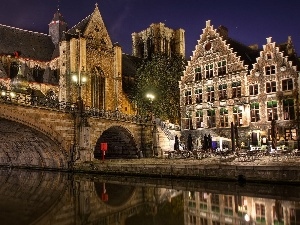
(50,198)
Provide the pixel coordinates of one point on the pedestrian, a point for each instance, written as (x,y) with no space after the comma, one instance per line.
(189,143)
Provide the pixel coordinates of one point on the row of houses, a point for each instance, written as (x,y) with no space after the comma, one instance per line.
(228,84)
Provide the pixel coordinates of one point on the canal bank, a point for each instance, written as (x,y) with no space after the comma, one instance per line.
(266,169)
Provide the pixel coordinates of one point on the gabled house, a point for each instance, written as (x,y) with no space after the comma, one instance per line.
(230,89)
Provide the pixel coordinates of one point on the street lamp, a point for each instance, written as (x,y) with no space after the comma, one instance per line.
(151,97)
(81,126)
(79,79)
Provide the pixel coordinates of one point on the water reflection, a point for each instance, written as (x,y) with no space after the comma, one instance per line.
(49,198)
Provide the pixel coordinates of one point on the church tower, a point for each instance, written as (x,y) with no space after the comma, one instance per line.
(158,39)
(56,27)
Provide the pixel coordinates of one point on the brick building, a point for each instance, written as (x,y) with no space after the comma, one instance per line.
(48,62)
(228,83)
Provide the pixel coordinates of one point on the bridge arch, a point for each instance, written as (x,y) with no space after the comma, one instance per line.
(22,146)
(121,143)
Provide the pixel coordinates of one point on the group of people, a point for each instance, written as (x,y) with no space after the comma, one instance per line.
(207,143)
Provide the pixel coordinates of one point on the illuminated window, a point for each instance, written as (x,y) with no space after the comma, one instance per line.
(236,89)
(223,117)
(294,216)
(209,71)
(211,118)
(288,109)
(210,94)
(198,74)
(272,110)
(271,87)
(254,112)
(278,213)
(237,116)
(203,221)
(203,200)
(215,203)
(192,219)
(188,97)
(290,134)
(222,91)
(198,95)
(222,68)
(260,213)
(287,84)
(253,89)
(228,210)
(199,118)
(270,70)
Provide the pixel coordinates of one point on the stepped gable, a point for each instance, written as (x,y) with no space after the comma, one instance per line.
(288,50)
(247,54)
(25,44)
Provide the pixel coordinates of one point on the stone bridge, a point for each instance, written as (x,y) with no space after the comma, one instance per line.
(42,137)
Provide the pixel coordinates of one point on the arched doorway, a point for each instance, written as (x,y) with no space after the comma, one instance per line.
(120,144)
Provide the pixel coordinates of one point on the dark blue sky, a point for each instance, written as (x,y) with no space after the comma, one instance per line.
(249,22)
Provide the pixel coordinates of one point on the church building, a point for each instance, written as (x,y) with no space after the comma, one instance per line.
(80,61)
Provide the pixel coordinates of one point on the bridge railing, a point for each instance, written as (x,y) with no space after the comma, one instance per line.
(51,103)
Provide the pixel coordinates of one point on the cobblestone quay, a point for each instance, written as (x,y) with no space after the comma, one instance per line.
(265,169)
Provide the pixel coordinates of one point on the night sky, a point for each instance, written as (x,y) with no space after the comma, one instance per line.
(249,22)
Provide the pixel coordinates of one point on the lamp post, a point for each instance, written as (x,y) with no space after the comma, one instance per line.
(81,147)
(151,97)
(79,80)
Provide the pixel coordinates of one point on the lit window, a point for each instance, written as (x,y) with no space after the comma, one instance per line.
(260,213)
(198,74)
(288,109)
(237,116)
(209,71)
(236,89)
(253,89)
(188,97)
(290,134)
(254,112)
(270,70)
(222,68)
(223,117)
(210,94)
(272,110)
(287,84)
(271,87)
(199,119)
(222,91)
(211,118)
(198,95)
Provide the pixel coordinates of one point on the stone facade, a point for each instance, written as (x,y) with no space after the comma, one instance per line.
(228,83)
(158,38)
(85,51)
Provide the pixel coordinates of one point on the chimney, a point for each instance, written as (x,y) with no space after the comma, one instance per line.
(223,31)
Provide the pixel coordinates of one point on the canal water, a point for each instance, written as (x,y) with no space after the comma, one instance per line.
(52,198)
